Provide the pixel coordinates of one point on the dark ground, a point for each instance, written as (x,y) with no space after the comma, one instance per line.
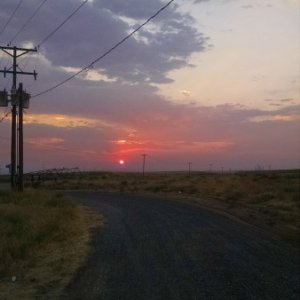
(157,249)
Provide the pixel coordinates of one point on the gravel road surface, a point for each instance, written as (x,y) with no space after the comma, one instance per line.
(161,249)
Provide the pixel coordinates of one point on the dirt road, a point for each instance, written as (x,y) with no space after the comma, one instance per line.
(157,249)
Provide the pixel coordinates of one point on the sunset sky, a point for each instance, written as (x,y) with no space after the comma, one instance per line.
(211,82)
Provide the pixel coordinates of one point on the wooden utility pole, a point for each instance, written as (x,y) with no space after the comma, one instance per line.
(20,152)
(15,53)
(144,163)
(189,168)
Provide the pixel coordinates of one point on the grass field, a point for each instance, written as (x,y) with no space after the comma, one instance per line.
(44,238)
(266,198)
(44,235)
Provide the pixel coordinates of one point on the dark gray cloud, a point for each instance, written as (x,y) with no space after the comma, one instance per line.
(247,6)
(199,1)
(285,100)
(135,9)
(280,102)
(164,45)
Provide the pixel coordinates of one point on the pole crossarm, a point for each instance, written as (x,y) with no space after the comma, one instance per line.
(18,72)
(5,48)
(16,55)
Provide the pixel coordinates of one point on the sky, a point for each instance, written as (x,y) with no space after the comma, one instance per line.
(214,83)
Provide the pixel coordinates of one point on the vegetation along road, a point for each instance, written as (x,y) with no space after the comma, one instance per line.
(151,248)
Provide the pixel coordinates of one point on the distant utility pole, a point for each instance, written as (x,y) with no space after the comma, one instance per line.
(15,53)
(144,163)
(189,168)
(210,167)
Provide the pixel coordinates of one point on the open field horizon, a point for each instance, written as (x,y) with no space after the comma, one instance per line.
(267,198)
(36,220)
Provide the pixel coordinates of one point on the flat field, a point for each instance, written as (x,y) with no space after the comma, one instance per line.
(266,198)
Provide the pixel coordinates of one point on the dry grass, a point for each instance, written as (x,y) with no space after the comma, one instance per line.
(268,198)
(44,238)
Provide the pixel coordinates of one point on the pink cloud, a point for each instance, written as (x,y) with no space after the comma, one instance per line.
(45,143)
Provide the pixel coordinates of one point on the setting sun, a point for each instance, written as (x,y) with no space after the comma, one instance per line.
(121,162)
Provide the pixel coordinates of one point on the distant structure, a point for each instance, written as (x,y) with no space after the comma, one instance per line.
(144,163)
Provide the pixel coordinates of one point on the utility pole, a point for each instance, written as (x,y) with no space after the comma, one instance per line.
(20,144)
(144,163)
(15,53)
(189,168)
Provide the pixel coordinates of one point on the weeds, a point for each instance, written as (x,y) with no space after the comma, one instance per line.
(38,230)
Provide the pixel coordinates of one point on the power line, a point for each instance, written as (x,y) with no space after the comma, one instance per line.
(106,53)
(4,116)
(27,59)
(59,26)
(51,33)
(28,20)
(11,17)
(6,24)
